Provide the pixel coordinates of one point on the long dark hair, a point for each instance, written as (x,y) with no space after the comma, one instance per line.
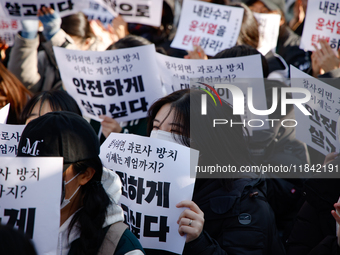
(91,216)
(220,145)
(180,105)
(58,100)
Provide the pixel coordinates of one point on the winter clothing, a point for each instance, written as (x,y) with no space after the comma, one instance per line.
(314,229)
(128,244)
(38,71)
(239,221)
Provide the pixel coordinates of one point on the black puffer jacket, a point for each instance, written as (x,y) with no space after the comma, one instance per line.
(236,222)
(314,231)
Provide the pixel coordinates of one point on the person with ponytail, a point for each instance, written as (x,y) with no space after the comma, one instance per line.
(91,222)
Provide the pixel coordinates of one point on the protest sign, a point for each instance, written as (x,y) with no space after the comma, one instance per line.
(244,72)
(98,12)
(119,83)
(8,29)
(4,113)
(30,191)
(212,26)
(317,130)
(9,139)
(148,12)
(269,25)
(27,9)
(155,176)
(322,22)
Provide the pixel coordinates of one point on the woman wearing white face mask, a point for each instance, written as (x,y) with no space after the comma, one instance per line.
(228,214)
(90,219)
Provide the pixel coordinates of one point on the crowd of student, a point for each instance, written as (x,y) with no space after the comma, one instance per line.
(248,215)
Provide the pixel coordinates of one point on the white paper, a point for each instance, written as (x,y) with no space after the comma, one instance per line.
(212,26)
(4,113)
(9,139)
(147,12)
(91,78)
(31,187)
(8,29)
(322,22)
(269,25)
(98,12)
(242,71)
(319,129)
(27,9)
(168,171)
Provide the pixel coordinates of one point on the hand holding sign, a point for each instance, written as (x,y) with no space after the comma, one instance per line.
(190,221)
(324,59)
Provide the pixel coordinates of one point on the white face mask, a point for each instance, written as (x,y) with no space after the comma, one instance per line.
(65,201)
(167,136)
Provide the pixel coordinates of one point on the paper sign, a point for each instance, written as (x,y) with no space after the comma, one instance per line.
(121,84)
(214,27)
(30,198)
(155,176)
(322,22)
(148,12)
(317,130)
(242,71)
(27,9)
(269,25)
(4,113)
(8,29)
(98,12)
(9,139)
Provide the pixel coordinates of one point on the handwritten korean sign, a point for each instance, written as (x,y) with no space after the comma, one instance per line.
(212,26)
(27,9)
(155,176)
(30,191)
(317,130)
(322,22)
(118,83)
(8,29)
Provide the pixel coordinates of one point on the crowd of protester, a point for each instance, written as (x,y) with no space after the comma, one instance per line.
(288,216)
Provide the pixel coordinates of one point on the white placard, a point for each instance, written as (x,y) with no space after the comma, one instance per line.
(122,84)
(155,176)
(148,12)
(322,22)
(319,129)
(9,139)
(27,9)
(269,25)
(242,71)
(4,113)
(97,12)
(30,198)
(8,29)
(214,27)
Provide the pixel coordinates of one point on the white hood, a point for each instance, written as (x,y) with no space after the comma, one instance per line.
(113,187)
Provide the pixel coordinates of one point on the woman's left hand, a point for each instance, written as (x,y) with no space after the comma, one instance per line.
(190,221)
